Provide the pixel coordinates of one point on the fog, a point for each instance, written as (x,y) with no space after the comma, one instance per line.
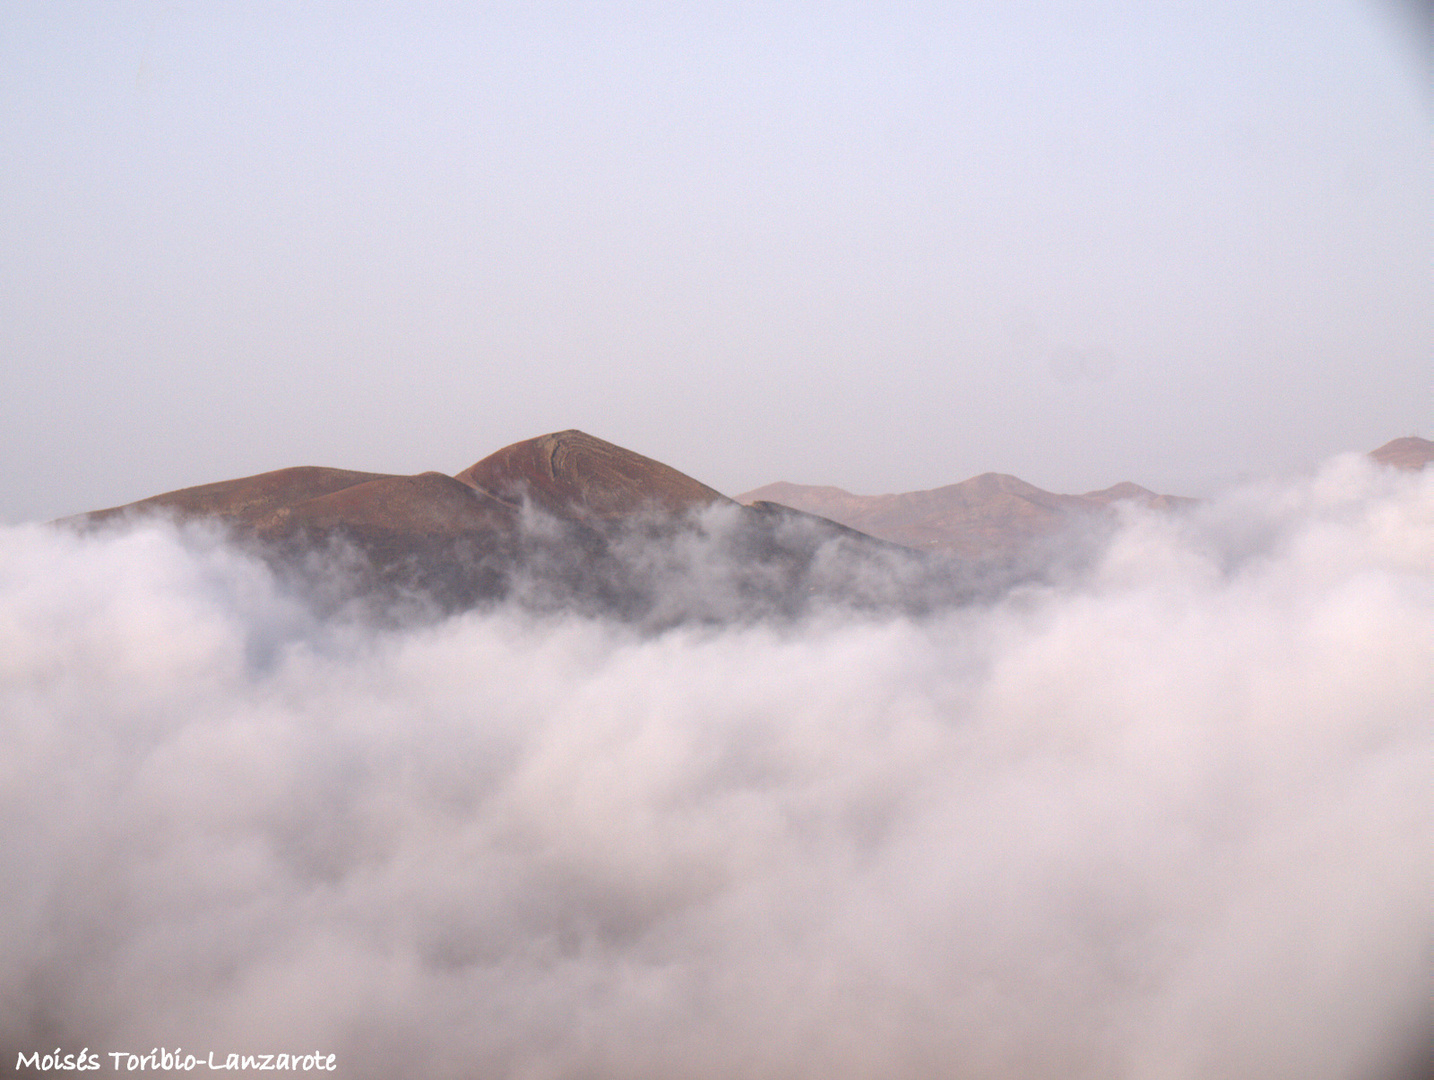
(1161,814)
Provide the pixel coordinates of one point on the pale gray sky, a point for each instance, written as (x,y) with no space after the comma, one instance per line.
(884,246)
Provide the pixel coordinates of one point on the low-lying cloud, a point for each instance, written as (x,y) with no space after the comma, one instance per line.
(1162,816)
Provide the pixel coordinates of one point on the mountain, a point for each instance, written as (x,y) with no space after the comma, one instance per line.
(245,501)
(568,521)
(987,515)
(994,515)
(570,473)
(306,498)
(562,521)
(1410,452)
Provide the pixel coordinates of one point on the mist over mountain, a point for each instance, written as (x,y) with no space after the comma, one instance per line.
(982,517)
(993,514)
(1409,452)
(1158,809)
(569,522)
(563,521)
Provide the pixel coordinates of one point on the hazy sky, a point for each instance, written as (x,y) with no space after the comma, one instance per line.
(885,246)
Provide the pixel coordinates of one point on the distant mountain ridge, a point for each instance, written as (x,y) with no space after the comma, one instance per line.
(613,522)
(571,472)
(994,513)
(567,474)
(986,514)
(562,521)
(1410,452)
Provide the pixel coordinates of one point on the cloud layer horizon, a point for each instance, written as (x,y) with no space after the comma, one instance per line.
(1162,814)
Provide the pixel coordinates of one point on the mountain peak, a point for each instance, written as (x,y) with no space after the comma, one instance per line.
(572,472)
(1410,452)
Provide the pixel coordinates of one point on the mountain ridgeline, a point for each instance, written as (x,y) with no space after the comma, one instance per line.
(561,522)
(569,522)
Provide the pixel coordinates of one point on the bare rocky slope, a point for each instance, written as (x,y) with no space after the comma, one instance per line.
(571,473)
(992,515)
(562,521)
(982,517)
(566,520)
(1410,452)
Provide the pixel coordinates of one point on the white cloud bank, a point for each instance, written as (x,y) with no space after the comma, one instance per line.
(1167,819)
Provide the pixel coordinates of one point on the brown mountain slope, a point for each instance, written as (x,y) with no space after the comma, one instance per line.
(984,515)
(992,513)
(427,505)
(568,474)
(1144,496)
(571,473)
(288,501)
(1410,452)
(244,501)
(621,542)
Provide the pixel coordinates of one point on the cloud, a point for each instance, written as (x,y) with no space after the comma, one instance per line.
(1160,815)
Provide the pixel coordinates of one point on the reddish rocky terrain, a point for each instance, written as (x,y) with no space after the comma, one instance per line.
(994,514)
(570,473)
(562,520)
(984,516)
(1410,452)
(614,520)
